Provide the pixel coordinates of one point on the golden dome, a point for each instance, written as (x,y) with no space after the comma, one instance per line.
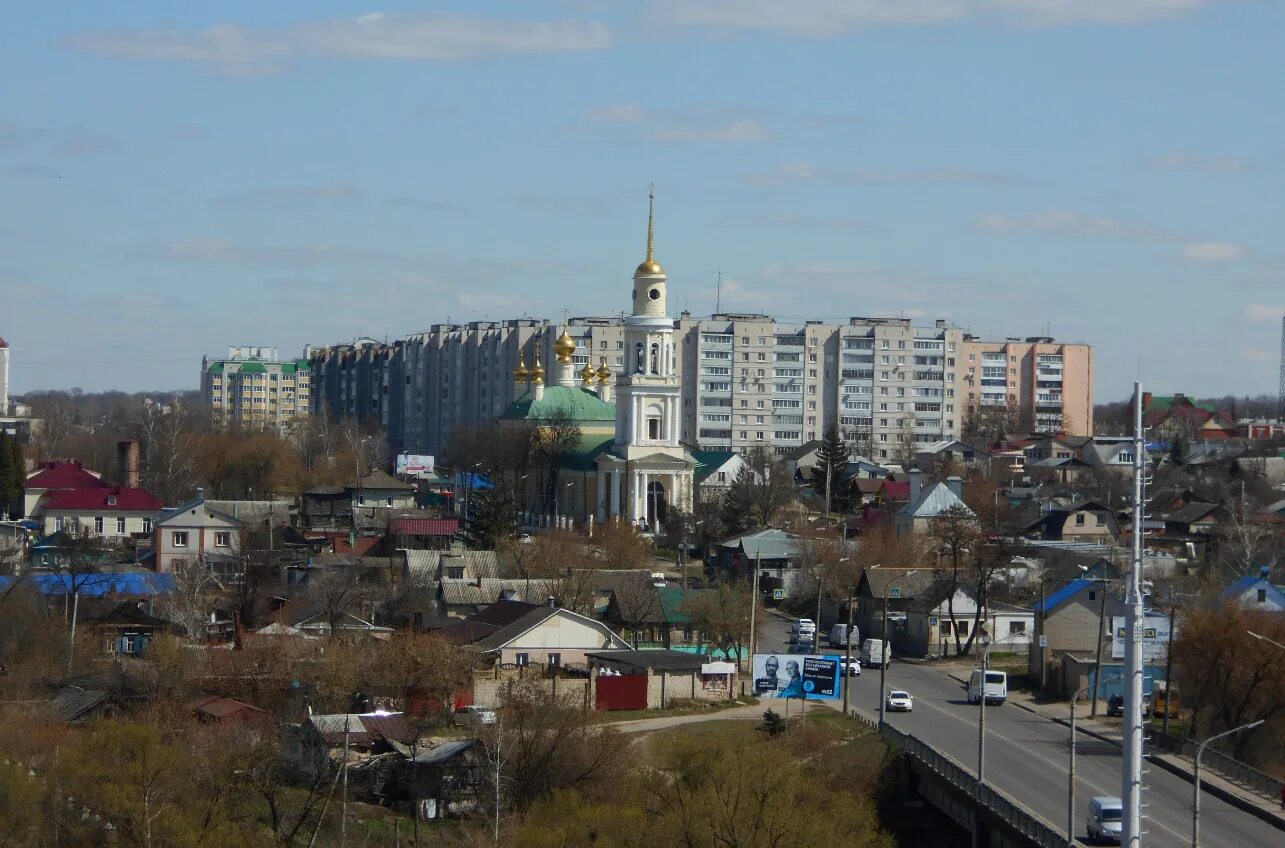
(537,370)
(649,268)
(588,374)
(603,373)
(564,347)
(520,373)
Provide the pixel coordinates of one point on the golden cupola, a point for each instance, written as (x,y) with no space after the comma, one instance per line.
(564,346)
(520,373)
(604,374)
(587,375)
(537,370)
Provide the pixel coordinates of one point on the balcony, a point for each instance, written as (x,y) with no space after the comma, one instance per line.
(1049,400)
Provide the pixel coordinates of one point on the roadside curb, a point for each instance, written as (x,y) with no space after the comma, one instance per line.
(1160,760)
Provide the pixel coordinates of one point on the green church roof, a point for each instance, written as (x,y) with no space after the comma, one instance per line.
(580,404)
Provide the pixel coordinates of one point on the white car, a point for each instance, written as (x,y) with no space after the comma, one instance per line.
(474,716)
(853,667)
(899,702)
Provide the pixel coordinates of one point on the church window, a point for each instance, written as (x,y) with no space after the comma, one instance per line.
(655,358)
(640,363)
(654,294)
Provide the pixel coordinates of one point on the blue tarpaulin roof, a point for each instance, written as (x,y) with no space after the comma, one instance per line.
(97,585)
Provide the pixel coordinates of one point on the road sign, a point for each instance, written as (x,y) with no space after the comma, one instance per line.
(1044,641)
(778,594)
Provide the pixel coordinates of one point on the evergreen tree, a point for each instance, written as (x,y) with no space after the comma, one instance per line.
(832,456)
(12,474)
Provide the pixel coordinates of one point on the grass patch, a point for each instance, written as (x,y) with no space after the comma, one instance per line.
(679,707)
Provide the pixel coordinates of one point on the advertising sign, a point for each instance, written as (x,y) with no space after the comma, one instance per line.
(1155,637)
(811,676)
(414,465)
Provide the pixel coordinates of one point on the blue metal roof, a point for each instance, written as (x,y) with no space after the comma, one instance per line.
(1061,596)
(97,585)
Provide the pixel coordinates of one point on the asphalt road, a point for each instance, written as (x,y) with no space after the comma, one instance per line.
(1027,756)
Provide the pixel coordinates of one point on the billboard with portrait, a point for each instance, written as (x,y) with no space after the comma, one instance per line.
(811,676)
(414,465)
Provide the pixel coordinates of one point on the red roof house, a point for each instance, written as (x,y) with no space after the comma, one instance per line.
(110,511)
(55,475)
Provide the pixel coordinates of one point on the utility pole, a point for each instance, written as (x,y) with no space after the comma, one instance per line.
(754,602)
(343,814)
(1173,623)
(1044,667)
(1097,662)
(1131,771)
(883,666)
(847,655)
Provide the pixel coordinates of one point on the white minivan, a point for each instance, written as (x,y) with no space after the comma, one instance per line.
(995,690)
(1105,820)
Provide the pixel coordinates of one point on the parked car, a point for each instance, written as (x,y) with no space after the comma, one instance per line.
(1115,705)
(525,539)
(474,716)
(801,648)
(899,701)
(853,667)
(1105,819)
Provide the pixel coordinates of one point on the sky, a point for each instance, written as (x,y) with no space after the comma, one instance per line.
(177,178)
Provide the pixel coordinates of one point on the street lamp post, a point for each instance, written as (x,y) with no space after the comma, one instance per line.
(1195,775)
(816,631)
(1070,786)
(1260,637)
(987,644)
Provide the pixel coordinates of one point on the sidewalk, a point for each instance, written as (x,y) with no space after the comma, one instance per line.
(1060,712)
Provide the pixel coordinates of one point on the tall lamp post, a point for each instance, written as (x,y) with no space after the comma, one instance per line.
(1195,775)
(987,644)
(816,631)
(1070,785)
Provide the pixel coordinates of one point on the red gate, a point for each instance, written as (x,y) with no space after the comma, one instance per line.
(623,692)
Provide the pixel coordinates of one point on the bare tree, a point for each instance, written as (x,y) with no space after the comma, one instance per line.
(955,536)
(168,440)
(337,591)
(759,494)
(636,603)
(191,598)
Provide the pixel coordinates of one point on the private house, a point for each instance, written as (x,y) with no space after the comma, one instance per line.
(61,550)
(1073,620)
(1255,592)
(651,679)
(367,502)
(123,626)
(113,514)
(550,636)
(899,588)
(315,746)
(482,624)
(1111,454)
(77,705)
(194,532)
(1082,521)
(424,568)
(774,552)
(423,533)
(715,471)
(665,620)
(930,628)
(229,712)
(55,476)
(928,505)
(436,780)
(952,454)
(464,598)
(1196,519)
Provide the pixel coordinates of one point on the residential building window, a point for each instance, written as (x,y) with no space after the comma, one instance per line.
(1015,627)
(179,538)
(147,525)
(1100,519)
(1079,519)
(1262,596)
(522,659)
(98,524)
(223,539)
(555,660)
(120,526)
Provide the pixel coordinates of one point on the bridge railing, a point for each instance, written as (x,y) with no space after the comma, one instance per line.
(1016,817)
(1223,764)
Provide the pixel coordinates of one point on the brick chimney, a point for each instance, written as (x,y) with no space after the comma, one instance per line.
(916,483)
(127,456)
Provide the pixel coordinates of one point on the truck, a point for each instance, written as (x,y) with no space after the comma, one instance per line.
(876,653)
(841,636)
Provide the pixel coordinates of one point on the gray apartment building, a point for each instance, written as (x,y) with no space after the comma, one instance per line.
(747,379)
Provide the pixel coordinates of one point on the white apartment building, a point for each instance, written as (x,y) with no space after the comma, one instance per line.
(253,388)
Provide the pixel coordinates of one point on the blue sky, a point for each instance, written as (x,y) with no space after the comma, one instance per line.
(179,179)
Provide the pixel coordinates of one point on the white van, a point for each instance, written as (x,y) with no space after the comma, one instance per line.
(1105,820)
(996,689)
(876,653)
(841,636)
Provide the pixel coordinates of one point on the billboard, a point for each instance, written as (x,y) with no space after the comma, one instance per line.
(1155,637)
(811,676)
(414,465)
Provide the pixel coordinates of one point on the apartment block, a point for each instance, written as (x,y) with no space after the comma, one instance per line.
(253,388)
(747,380)
(1046,385)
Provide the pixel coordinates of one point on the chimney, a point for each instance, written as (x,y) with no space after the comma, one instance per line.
(200,493)
(956,485)
(553,602)
(127,456)
(916,483)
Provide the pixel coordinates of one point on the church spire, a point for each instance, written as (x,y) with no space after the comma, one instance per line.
(650,267)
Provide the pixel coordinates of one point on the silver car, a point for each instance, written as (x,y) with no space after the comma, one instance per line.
(899,701)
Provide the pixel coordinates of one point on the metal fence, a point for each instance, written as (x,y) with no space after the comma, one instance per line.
(1016,817)
(1222,764)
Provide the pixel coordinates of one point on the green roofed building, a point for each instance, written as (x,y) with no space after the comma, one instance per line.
(252,388)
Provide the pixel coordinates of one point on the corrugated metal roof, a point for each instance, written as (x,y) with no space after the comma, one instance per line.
(445,751)
(98,584)
(908,582)
(71,704)
(425,526)
(488,590)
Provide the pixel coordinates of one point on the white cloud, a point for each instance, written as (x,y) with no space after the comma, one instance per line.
(231,48)
(1213,251)
(1265,311)
(735,132)
(73,141)
(804,172)
(621,113)
(833,18)
(1180,161)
